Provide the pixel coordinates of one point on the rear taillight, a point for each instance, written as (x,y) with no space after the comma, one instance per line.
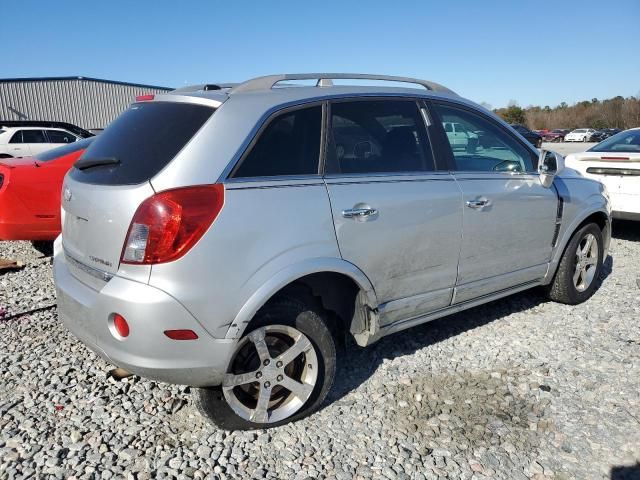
(168,224)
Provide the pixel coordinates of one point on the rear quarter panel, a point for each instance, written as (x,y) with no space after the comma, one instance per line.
(264,228)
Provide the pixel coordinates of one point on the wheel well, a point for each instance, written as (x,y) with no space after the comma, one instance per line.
(5,155)
(336,293)
(598,218)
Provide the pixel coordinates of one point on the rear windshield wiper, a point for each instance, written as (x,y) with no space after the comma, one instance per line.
(86,163)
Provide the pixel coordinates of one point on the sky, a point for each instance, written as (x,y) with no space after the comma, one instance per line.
(533,53)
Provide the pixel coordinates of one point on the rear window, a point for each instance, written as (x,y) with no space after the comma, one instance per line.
(141,142)
(62,151)
(289,145)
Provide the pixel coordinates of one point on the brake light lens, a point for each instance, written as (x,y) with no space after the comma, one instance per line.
(167,225)
(145,98)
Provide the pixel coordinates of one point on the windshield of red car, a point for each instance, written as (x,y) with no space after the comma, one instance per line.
(64,150)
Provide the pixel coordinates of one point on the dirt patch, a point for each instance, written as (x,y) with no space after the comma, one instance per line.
(473,410)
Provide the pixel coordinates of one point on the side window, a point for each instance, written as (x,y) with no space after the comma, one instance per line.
(483,145)
(17,137)
(289,145)
(378,136)
(33,136)
(59,136)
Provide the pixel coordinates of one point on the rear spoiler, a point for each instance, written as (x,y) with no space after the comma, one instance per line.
(81,132)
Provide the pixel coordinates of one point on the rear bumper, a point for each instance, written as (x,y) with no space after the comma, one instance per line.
(625,206)
(146,351)
(46,229)
(635,216)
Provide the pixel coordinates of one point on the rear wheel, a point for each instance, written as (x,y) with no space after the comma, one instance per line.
(280,371)
(580,266)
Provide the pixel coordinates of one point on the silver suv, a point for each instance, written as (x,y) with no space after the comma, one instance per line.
(230,237)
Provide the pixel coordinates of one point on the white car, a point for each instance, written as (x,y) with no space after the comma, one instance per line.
(29,141)
(458,135)
(580,135)
(616,163)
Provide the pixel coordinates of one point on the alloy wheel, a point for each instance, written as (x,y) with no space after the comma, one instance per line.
(272,374)
(586,262)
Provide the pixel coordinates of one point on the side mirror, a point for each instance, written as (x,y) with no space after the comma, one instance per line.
(550,164)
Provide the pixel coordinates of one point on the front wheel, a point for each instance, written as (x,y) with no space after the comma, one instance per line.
(577,275)
(280,371)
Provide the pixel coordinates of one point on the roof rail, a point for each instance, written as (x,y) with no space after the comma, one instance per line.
(204,87)
(324,80)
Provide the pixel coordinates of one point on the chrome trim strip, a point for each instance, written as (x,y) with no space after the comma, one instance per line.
(94,272)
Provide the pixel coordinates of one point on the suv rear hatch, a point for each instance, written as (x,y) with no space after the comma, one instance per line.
(112,178)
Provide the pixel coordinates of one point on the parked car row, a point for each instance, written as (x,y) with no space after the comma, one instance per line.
(577,135)
(356,194)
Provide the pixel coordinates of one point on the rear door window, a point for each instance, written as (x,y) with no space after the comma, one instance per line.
(140,142)
(378,136)
(289,145)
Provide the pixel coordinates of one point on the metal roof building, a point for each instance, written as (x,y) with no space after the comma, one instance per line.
(90,103)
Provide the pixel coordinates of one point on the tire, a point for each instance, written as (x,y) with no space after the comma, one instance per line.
(44,247)
(563,288)
(229,407)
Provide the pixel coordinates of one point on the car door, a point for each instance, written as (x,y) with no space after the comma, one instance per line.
(509,217)
(396,218)
(462,136)
(451,133)
(16,147)
(35,140)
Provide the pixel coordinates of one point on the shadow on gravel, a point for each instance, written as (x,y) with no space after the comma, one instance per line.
(360,363)
(626,473)
(626,230)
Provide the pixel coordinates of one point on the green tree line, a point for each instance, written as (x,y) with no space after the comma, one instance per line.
(617,112)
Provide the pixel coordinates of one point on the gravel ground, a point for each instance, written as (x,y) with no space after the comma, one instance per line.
(520,388)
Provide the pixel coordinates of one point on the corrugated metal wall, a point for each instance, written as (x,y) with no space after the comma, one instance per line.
(88,103)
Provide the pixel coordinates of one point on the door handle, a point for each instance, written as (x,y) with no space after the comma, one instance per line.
(478,203)
(359,212)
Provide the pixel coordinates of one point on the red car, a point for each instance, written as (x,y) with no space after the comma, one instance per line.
(30,192)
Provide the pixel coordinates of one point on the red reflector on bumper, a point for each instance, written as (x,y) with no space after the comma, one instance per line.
(181,334)
(121,325)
